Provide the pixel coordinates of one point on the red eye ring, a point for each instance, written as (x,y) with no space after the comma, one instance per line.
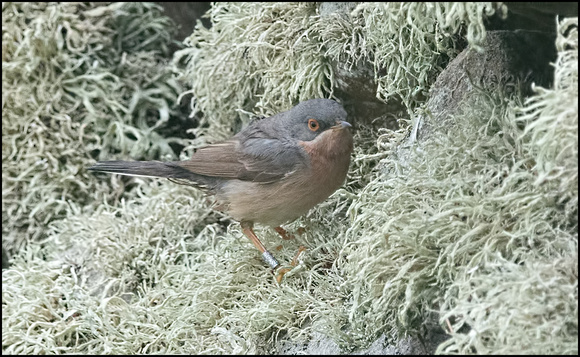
(313,124)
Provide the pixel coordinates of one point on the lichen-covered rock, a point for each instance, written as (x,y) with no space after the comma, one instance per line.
(465,239)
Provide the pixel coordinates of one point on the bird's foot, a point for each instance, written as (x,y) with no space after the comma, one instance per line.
(279,274)
(284,233)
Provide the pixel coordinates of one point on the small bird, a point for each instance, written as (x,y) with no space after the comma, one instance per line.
(271,172)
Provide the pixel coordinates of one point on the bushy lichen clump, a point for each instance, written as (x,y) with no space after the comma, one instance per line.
(480,224)
(525,298)
(271,56)
(76,78)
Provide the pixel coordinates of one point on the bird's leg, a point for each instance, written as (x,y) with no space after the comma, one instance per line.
(283,233)
(248,229)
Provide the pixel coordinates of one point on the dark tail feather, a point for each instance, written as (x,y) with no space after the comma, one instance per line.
(168,170)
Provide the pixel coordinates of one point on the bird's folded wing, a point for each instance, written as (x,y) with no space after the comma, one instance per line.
(257,159)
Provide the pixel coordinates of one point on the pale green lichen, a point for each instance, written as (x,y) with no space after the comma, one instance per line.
(76,78)
(524,298)
(471,210)
(477,227)
(266,57)
(411,48)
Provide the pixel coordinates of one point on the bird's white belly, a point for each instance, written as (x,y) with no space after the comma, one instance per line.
(275,203)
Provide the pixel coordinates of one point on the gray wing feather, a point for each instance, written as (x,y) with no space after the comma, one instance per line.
(252,155)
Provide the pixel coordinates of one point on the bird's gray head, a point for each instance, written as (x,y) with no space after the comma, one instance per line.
(310,118)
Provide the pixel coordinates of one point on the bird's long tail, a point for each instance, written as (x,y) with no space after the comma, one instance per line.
(170,170)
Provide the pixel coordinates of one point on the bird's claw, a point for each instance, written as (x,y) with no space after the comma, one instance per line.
(281,271)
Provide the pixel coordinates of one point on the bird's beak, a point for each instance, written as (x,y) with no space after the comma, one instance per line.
(341,125)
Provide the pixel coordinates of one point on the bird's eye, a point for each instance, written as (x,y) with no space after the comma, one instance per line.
(313,124)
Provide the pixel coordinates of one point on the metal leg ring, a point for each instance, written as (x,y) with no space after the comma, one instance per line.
(270,260)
